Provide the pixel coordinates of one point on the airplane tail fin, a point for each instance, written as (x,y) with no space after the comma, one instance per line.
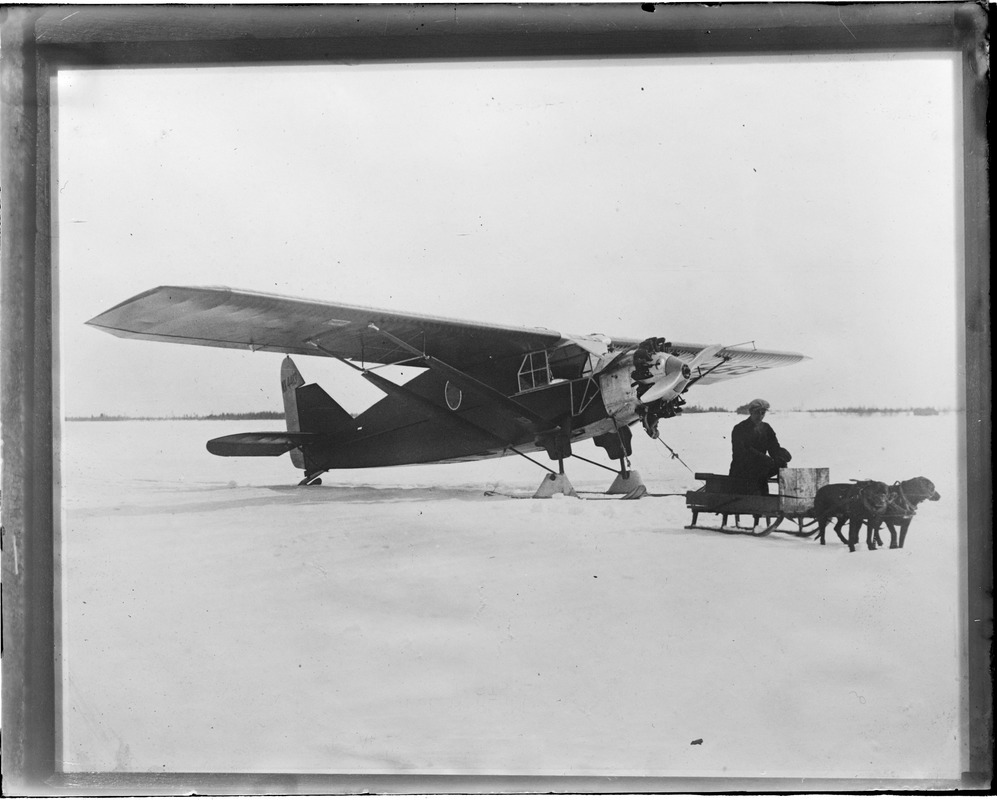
(309,409)
(290,381)
(312,417)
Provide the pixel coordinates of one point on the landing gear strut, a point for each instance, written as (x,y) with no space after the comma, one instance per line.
(617,445)
(557,445)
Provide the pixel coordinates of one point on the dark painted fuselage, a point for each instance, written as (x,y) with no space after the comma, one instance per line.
(447,424)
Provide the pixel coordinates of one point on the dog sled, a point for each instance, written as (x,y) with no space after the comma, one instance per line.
(787,509)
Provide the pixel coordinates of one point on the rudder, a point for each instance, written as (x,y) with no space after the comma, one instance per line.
(309,409)
(290,381)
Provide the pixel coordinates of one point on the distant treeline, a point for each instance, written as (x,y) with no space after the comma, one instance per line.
(226,416)
(920,411)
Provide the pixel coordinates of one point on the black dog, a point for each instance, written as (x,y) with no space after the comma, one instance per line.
(901,505)
(855,503)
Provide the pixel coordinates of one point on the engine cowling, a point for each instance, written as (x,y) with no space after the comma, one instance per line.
(619,394)
(665,379)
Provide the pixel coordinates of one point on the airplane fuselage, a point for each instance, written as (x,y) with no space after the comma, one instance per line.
(394,431)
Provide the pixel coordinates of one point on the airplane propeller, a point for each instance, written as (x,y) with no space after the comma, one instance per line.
(672,375)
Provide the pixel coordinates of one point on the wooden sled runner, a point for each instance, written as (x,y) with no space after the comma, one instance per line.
(792,505)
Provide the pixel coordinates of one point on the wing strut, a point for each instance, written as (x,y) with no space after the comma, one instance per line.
(393,388)
(465,381)
(702,374)
(389,387)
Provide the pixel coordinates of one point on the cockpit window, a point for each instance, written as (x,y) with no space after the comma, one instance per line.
(544,367)
(534,371)
(571,363)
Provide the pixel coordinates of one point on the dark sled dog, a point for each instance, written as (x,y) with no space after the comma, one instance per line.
(902,501)
(855,503)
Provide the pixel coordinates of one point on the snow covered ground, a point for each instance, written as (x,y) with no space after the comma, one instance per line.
(216,617)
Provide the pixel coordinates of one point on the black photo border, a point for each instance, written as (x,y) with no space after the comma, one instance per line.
(37,41)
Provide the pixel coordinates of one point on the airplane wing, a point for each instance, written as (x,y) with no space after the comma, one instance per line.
(727,362)
(221,317)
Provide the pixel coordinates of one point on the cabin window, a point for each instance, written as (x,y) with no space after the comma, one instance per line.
(534,371)
(571,363)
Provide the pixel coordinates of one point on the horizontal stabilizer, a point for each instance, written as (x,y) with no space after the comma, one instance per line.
(273,443)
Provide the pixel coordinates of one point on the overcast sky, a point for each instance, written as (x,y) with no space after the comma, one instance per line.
(805,203)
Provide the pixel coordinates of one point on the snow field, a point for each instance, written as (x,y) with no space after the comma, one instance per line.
(217,617)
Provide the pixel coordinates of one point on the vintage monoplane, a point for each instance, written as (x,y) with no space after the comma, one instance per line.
(486,390)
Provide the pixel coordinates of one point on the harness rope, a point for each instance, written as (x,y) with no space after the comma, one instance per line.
(676,455)
(861,490)
(908,507)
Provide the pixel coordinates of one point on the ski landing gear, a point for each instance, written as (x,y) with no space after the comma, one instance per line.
(628,483)
(617,445)
(555,483)
(557,443)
